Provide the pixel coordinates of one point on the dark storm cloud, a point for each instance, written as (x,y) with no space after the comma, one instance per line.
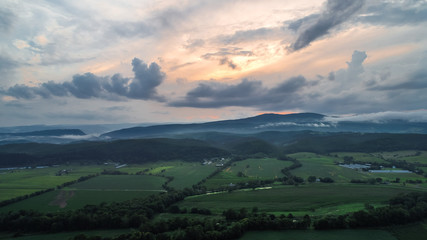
(247,93)
(142,86)
(336,12)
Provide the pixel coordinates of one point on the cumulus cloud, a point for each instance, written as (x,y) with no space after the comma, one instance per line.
(247,93)
(336,13)
(142,86)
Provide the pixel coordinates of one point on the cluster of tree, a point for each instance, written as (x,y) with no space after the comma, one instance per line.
(367,181)
(113,172)
(180,228)
(128,151)
(403,209)
(289,178)
(128,214)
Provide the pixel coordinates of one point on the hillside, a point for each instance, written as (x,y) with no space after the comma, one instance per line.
(124,151)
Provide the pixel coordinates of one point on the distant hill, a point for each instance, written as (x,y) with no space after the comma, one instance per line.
(270,122)
(123,151)
(298,121)
(50,132)
(359,142)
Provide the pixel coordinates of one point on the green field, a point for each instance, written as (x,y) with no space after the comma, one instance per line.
(313,199)
(252,169)
(409,156)
(414,231)
(67,235)
(360,157)
(325,166)
(120,182)
(320,235)
(104,188)
(185,174)
(14,183)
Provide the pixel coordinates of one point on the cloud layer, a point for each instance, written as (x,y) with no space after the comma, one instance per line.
(336,13)
(142,86)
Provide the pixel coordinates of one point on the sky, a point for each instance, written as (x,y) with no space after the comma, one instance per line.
(152,61)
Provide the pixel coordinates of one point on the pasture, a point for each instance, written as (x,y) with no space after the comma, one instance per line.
(360,234)
(409,156)
(185,174)
(248,169)
(325,166)
(360,157)
(104,188)
(14,183)
(313,199)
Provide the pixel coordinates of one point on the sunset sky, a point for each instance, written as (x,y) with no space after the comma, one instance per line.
(136,61)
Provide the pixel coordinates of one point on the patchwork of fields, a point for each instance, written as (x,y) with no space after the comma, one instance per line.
(247,170)
(142,180)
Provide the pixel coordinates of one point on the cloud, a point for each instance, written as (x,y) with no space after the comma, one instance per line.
(224,54)
(142,86)
(336,13)
(228,62)
(6,20)
(247,93)
(395,13)
(415,81)
(411,116)
(7,64)
(249,35)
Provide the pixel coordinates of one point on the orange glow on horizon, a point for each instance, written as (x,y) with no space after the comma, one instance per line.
(282,113)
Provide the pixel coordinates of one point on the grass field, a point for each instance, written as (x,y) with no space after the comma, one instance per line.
(252,169)
(14,183)
(360,157)
(185,174)
(67,235)
(105,188)
(360,234)
(410,156)
(324,166)
(313,199)
(414,231)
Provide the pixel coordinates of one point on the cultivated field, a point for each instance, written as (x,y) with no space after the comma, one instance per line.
(249,169)
(313,199)
(104,188)
(14,183)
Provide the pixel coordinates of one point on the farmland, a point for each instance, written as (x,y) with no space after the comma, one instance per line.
(314,199)
(248,169)
(14,183)
(275,197)
(104,188)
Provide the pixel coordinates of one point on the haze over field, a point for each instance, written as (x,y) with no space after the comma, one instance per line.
(69,62)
